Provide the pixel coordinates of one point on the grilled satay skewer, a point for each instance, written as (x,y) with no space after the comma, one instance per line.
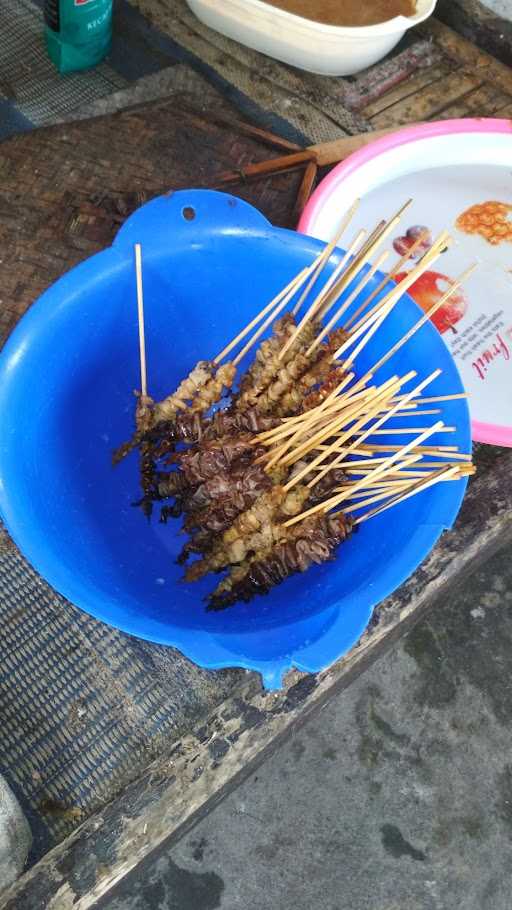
(260,526)
(270,566)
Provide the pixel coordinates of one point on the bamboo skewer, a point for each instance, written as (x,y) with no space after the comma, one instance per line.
(380,471)
(394,271)
(369,431)
(444,475)
(324,430)
(435,398)
(404,431)
(410,277)
(379,397)
(345,413)
(273,315)
(317,302)
(326,253)
(374,319)
(385,494)
(269,437)
(352,296)
(328,504)
(382,230)
(376,238)
(140,315)
(385,467)
(322,416)
(421,322)
(292,285)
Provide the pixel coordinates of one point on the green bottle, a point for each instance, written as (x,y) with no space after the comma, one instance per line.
(78,32)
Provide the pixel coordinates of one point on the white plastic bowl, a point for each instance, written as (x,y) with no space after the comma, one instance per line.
(326,49)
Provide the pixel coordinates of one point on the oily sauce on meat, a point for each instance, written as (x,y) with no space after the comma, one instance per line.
(347,12)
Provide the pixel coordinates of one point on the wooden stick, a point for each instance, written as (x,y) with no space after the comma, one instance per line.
(417,412)
(398,431)
(435,398)
(352,296)
(421,322)
(326,253)
(305,189)
(394,271)
(290,425)
(325,431)
(410,277)
(247,129)
(385,494)
(378,397)
(388,448)
(324,153)
(377,237)
(378,423)
(384,468)
(338,149)
(292,285)
(381,310)
(445,475)
(334,501)
(140,315)
(364,466)
(273,315)
(310,312)
(324,422)
(362,256)
(266,168)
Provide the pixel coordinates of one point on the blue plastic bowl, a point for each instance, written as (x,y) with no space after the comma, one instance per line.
(67,376)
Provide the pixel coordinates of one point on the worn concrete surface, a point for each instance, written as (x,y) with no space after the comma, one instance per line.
(500,7)
(398,795)
(15,837)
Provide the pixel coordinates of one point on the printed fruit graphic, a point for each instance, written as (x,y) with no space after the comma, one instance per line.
(402,245)
(430,287)
(492,220)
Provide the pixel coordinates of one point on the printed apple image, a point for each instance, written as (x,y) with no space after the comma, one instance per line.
(428,289)
(419,234)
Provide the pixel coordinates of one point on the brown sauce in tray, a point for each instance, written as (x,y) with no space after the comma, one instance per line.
(347,12)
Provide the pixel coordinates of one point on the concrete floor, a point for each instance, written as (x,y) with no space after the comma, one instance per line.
(398,796)
(500,7)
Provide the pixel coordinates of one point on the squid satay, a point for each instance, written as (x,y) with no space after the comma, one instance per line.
(297,376)
(220,517)
(320,366)
(192,427)
(281,330)
(328,385)
(219,455)
(268,365)
(173,413)
(314,543)
(240,485)
(217,503)
(257,527)
(169,407)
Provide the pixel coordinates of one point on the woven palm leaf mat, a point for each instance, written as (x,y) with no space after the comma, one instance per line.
(83,707)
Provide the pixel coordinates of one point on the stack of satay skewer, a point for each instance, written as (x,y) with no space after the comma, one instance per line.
(275,480)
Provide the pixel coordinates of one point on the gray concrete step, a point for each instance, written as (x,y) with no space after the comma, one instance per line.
(397,795)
